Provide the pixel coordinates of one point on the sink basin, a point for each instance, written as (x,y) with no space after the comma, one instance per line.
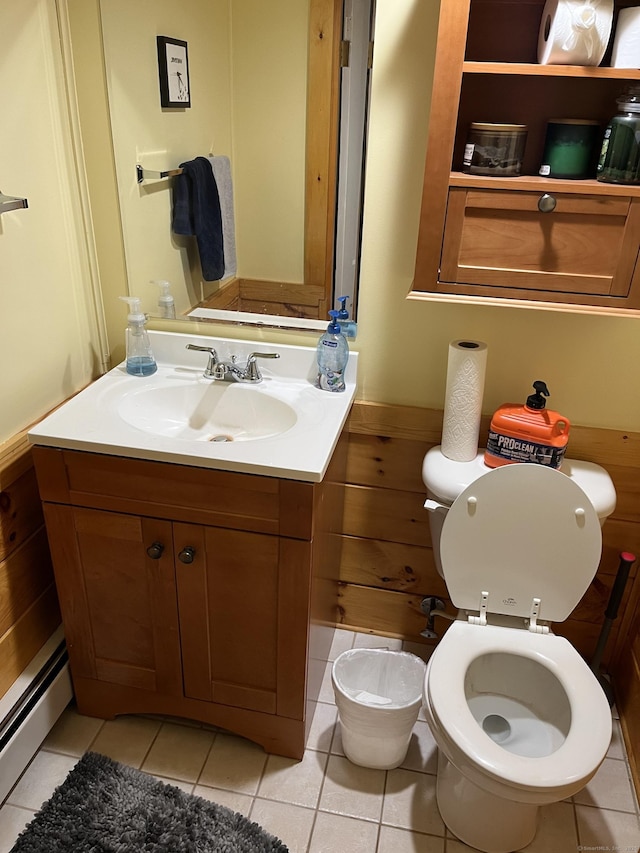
(207,411)
(283,426)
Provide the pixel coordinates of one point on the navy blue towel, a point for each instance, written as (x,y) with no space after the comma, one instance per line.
(196,211)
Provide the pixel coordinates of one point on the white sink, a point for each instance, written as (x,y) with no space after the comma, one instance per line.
(207,411)
(283,426)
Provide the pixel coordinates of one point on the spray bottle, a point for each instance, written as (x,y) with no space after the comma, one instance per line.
(165,301)
(139,360)
(529,433)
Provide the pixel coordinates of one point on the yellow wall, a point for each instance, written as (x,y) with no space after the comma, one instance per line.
(591,364)
(48,340)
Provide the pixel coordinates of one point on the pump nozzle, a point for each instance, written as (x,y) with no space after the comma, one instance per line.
(166,303)
(537,401)
(343,314)
(135,314)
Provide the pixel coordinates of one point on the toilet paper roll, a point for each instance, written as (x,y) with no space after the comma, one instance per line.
(463,400)
(574,32)
(626,44)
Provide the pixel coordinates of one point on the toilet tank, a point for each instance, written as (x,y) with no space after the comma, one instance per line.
(445,479)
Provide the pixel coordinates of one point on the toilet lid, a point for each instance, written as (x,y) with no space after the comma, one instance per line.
(520,532)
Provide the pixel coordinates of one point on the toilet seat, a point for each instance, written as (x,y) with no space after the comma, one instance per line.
(518,534)
(540,779)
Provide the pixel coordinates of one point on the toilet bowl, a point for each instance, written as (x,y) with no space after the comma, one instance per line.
(519,719)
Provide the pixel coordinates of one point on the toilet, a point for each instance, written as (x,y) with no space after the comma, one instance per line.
(519,719)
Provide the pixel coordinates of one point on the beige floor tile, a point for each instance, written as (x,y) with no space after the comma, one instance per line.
(372,641)
(394,840)
(326,690)
(422,754)
(233,800)
(234,764)
(179,752)
(322,727)
(608,830)
(291,824)
(610,788)
(12,821)
(336,834)
(73,734)
(336,743)
(418,649)
(410,802)
(126,739)
(186,787)
(342,642)
(556,829)
(616,748)
(459,847)
(351,790)
(40,779)
(296,782)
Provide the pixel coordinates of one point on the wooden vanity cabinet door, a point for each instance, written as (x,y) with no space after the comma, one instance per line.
(118,603)
(244,611)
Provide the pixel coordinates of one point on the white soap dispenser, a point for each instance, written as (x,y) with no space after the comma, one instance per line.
(139,359)
(166,303)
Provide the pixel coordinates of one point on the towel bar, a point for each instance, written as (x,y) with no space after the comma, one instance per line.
(147,174)
(11,202)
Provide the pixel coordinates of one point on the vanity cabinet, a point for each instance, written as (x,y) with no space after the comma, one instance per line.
(193,592)
(557,241)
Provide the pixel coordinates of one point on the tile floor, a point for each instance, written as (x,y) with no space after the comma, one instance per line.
(323,804)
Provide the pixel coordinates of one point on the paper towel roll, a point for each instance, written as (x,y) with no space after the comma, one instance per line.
(463,400)
(574,32)
(626,45)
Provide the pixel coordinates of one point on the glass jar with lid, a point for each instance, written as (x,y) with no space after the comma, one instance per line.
(619,161)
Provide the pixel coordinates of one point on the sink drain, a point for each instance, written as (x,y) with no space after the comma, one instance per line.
(221,437)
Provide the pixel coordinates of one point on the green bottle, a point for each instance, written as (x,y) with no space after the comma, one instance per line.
(619,161)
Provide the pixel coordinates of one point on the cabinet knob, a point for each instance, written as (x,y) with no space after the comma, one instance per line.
(546,203)
(187,554)
(155,550)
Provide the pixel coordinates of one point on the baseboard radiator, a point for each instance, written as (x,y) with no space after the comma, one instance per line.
(30,709)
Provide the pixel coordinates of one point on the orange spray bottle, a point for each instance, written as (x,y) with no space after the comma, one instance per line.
(529,433)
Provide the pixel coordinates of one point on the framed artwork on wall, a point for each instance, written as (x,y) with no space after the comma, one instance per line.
(173,71)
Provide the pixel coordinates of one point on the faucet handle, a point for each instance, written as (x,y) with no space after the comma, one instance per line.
(252,372)
(210,371)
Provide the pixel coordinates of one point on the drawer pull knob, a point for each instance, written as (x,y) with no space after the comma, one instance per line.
(155,550)
(546,203)
(187,554)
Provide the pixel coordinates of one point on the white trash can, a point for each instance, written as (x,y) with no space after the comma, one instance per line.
(378,693)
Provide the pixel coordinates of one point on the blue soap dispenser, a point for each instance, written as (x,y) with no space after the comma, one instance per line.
(347,325)
(139,359)
(332,354)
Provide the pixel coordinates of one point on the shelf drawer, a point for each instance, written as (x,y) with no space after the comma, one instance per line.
(586,245)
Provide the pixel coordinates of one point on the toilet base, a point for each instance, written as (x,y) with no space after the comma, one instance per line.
(479,819)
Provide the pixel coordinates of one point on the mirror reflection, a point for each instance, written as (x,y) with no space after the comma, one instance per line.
(264,82)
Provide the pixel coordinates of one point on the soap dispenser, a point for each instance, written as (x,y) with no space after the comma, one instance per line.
(166,303)
(529,433)
(347,325)
(139,359)
(332,355)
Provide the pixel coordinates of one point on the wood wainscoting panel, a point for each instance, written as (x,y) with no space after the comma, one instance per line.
(29,611)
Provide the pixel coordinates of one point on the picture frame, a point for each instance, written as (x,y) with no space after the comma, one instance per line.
(173,72)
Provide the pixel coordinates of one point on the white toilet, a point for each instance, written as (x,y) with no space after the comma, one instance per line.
(519,718)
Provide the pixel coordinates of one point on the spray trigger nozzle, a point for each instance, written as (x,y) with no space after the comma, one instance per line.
(537,401)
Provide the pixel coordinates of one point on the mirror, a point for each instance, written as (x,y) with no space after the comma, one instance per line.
(265,90)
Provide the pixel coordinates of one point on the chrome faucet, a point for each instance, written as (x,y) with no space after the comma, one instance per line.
(232,371)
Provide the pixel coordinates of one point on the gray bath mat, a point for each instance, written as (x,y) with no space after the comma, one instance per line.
(105,807)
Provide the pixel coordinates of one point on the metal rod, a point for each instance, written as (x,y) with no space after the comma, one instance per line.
(149,174)
(11,202)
